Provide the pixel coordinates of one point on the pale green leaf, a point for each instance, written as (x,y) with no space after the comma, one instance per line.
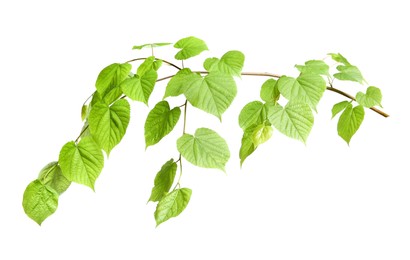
(247,145)
(39,201)
(339,107)
(151,45)
(295,120)
(231,63)
(172,205)
(350,121)
(339,58)
(261,134)
(204,149)
(178,83)
(190,47)
(349,72)
(213,93)
(315,67)
(111,76)
(139,88)
(149,64)
(81,163)
(160,122)
(108,124)
(163,181)
(373,97)
(307,88)
(252,113)
(52,176)
(269,91)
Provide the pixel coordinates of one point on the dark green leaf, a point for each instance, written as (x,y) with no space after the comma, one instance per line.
(190,47)
(172,205)
(373,97)
(139,88)
(111,76)
(52,177)
(350,121)
(163,181)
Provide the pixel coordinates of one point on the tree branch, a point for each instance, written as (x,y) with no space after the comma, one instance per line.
(164,61)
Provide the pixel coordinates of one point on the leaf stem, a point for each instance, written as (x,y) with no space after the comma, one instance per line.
(185,106)
(82,132)
(164,61)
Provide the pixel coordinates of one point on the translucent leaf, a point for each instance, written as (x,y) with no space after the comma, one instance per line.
(315,67)
(270,91)
(307,88)
(261,134)
(231,63)
(160,122)
(339,58)
(108,124)
(139,88)
(252,113)
(213,93)
(204,149)
(52,177)
(350,121)
(190,47)
(339,107)
(81,163)
(295,120)
(111,76)
(172,205)
(39,201)
(163,181)
(373,97)
(349,72)
(84,109)
(178,83)
(151,45)
(247,145)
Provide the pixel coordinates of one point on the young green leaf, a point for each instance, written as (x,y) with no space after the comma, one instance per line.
(247,144)
(213,93)
(339,107)
(163,181)
(190,47)
(160,122)
(307,88)
(314,67)
(84,109)
(81,163)
(111,76)
(350,121)
(177,84)
(373,97)
(349,72)
(139,88)
(204,149)
(231,63)
(172,205)
(295,120)
(151,45)
(339,58)
(270,91)
(39,201)
(108,124)
(252,113)
(261,134)
(52,177)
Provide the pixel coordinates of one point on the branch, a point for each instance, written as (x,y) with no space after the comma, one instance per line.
(164,61)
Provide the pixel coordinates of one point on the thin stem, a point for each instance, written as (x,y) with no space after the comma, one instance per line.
(185,106)
(82,132)
(164,61)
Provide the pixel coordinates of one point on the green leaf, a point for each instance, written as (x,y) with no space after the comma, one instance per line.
(261,134)
(295,120)
(172,205)
(84,109)
(339,107)
(349,72)
(231,63)
(111,76)
(178,83)
(81,163)
(190,47)
(160,122)
(108,124)
(139,88)
(252,113)
(373,97)
(52,177)
(213,94)
(204,149)
(307,88)
(350,121)
(39,201)
(149,64)
(247,145)
(163,181)
(339,58)
(270,91)
(314,67)
(151,45)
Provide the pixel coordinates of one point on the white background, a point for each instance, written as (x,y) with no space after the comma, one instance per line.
(324,200)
